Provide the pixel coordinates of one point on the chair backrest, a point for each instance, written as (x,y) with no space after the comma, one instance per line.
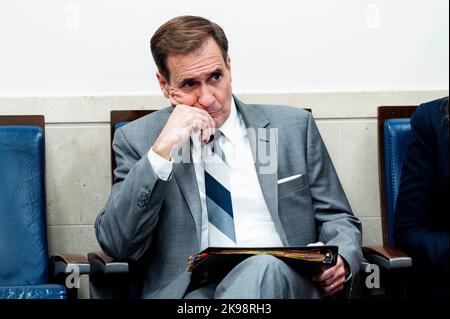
(393,135)
(23,231)
(120,118)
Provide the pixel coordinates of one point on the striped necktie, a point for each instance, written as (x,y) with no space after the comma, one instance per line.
(218,196)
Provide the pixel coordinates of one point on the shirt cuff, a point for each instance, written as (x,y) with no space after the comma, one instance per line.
(161,166)
(348,272)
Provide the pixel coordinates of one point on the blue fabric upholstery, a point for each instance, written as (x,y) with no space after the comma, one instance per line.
(23,231)
(33,292)
(120,124)
(396,135)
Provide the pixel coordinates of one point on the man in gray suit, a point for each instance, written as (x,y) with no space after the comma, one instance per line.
(212,171)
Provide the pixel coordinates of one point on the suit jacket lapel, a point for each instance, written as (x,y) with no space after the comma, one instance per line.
(184,174)
(257,122)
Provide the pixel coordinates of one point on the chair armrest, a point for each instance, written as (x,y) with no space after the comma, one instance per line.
(64,264)
(108,279)
(100,262)
(387,257)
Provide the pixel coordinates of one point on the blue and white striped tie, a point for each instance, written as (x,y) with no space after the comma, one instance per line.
(218,196)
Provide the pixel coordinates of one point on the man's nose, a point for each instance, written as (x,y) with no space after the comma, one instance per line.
(206,96)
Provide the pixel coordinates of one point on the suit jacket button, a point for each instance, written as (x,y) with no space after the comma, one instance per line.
(143,198)
(141,203)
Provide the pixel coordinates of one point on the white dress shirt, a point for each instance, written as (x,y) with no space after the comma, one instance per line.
(254,226)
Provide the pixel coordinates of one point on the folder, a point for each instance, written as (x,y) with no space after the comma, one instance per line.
(311,259)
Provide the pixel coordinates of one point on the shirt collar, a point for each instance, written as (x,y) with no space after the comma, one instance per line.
(231,127)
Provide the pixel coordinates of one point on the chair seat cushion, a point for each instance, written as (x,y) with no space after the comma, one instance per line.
(33,292)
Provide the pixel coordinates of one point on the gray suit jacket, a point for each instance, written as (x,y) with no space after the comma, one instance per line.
(158,223)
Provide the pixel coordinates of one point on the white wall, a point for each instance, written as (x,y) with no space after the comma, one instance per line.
(100,47)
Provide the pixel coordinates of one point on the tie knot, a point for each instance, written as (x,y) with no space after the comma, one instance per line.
(215,137)
(213,150)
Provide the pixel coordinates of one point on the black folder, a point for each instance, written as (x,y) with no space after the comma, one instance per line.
(311,259)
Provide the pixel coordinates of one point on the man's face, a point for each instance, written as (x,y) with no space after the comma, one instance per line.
(200,79)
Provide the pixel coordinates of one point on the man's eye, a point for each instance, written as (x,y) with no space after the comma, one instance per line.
(189,84)
(216,77)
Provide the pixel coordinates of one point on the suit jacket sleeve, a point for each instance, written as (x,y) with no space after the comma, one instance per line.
(124,228)
(335,221)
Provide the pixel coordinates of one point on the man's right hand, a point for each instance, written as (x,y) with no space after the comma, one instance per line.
(183,120)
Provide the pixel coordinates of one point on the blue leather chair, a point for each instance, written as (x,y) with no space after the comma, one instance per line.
(393,134)
(396,136)
(24,264)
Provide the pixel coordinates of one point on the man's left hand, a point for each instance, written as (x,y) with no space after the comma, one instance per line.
(331,280)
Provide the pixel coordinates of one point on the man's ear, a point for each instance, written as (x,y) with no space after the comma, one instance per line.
(229,67)
(163,84)
(228,63)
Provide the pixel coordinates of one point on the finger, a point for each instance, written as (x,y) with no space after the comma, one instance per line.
(206,131)
(332,287)
(198,120)
(337,277)
(326,291)
(334,271)
(333,283)
(326,275)
(210,133)
(205,134)
(207,115)
(197,124)
(211,120)
(336,286)
(331,290)
(337,289)
(174,97)
(173,101)
(328,282)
